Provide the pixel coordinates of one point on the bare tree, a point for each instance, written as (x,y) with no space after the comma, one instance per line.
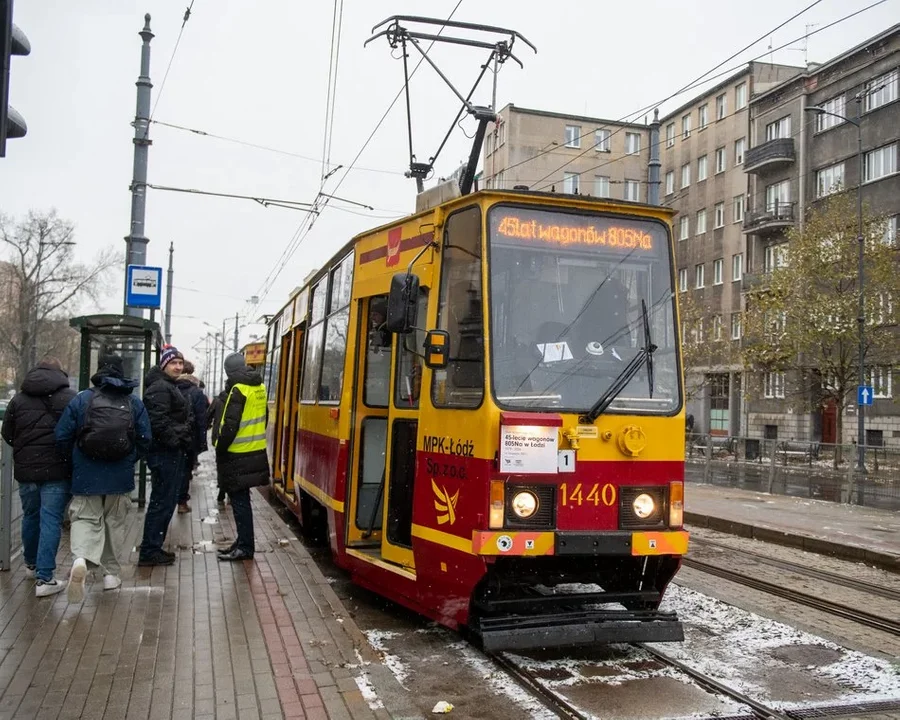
(43,284)
(707,347)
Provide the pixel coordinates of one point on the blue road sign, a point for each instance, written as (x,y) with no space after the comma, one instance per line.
(144,286)
(864,395)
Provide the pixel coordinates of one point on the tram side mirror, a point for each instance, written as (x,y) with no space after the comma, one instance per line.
(437,349)
(403,303)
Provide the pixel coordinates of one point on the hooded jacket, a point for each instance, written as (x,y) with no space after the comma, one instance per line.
(190,388)
(169,411)
(30,422)
(238,471)
(103,477)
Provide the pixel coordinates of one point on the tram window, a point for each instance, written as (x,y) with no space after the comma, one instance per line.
(370,493)
(460,313)
(409,368)
(313,364)
(377,381)
(336,333)
(403,472)
(272,361)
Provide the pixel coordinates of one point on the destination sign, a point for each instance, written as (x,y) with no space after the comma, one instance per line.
(571,230)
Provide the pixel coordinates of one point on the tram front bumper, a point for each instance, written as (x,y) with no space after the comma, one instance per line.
(638,543)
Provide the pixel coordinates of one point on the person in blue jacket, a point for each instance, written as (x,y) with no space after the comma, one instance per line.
(105,443)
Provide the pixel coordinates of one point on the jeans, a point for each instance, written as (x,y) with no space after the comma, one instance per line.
(184,491)
(243,520)
(166,475)
(43,507)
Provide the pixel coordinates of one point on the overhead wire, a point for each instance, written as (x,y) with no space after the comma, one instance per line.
(331,91)
(162,86)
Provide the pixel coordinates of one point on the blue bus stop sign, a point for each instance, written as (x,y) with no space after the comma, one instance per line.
(864,395)
(144,287)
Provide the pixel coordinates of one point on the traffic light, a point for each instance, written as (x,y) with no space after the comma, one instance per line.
(12,42)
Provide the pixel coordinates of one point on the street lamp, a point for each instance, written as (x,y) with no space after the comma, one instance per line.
(861,312)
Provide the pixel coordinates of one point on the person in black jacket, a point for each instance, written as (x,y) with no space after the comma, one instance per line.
(214,420)
(170,422)
(241,459)
(44,474)
(190,388)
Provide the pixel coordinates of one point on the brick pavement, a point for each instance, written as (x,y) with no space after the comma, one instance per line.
(199,639)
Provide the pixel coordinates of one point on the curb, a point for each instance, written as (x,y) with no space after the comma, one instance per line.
(854,553)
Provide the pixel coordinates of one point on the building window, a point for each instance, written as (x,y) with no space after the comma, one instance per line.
(682,280)
(721,161)
(489,143)
(698,276)
(718,264)
(830,179)
(573,136)
(702,168)
(737,267)
(570,183)
(781,128)
(737,208)
(670,182)
(685,127)
(701,222)
(685,175)
(890,231)
(698,331)
(720,215)
(702,116)
(633,190)
(880,380)
(834,106)
(880,163)
(882,309)
(601,140)
(778,196)
(501,133)
(735,326)
(775,257)
(740,96)
(739,146)
(670,135)
(773,385)
(601,186)
(882,90)
(717,327)
(632,143)
(721,106)
(719,401)
(684,227)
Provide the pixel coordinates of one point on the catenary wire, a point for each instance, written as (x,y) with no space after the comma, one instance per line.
(162,86)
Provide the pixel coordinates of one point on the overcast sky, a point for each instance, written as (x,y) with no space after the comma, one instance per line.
(257,72)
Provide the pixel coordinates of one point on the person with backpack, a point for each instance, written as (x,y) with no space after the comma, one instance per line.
(170,420)
(104,429)
(241,459)
(189,385)
(44,474)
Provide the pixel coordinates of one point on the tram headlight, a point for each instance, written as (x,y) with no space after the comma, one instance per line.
(643,506)
(525,504)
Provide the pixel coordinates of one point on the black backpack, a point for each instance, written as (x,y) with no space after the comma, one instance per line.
(108,429)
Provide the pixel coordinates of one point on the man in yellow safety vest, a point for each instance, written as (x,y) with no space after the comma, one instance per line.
(241,457)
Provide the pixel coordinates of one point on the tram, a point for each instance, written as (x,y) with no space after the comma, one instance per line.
(482,406)
(254,354)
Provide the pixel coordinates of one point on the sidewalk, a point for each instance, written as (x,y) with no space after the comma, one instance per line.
(199,639)
(847,531)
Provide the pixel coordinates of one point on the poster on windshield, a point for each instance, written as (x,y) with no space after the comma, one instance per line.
(531,449)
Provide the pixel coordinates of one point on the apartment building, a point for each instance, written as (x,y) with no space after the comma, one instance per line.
(794,160)
(566,153)
(704,143)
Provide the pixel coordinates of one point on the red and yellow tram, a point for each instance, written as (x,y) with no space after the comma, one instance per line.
(482,403)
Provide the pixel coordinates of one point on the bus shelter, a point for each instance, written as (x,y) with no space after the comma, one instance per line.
(136,340)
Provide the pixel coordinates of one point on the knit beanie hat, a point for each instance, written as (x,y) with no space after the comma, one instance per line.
(234,363)
(111,363)
(168,354)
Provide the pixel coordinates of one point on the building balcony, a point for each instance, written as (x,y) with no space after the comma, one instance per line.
(769,218)
(754,282)
(769,155)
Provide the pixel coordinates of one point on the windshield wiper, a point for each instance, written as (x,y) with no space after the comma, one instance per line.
(645,355)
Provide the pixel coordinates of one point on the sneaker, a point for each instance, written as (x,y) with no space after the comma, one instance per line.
(161,557)
(76,580)
(112,582)
(183,508)
(46,588)
(29,572)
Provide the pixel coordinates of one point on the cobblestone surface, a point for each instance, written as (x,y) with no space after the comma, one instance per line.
(199,639)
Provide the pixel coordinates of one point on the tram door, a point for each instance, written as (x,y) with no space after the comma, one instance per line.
(280,411)
(292,405)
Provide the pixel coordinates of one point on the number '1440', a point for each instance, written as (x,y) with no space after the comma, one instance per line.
(580,494)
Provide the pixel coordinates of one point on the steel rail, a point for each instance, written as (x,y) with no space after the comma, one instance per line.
(526,680)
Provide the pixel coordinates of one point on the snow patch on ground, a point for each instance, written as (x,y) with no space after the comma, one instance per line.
(378,640)
(735,646)
(368,691)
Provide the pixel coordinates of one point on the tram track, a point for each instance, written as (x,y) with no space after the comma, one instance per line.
(833,578)
(531,684)
(887,625)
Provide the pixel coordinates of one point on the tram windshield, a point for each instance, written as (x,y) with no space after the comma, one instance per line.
(566,310)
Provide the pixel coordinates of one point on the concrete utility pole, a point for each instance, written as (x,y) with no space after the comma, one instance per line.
(235,332)
(168,330)
(136,241)
(653,172)
(222,365)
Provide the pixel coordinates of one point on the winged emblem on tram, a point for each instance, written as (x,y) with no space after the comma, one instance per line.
(444,503)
